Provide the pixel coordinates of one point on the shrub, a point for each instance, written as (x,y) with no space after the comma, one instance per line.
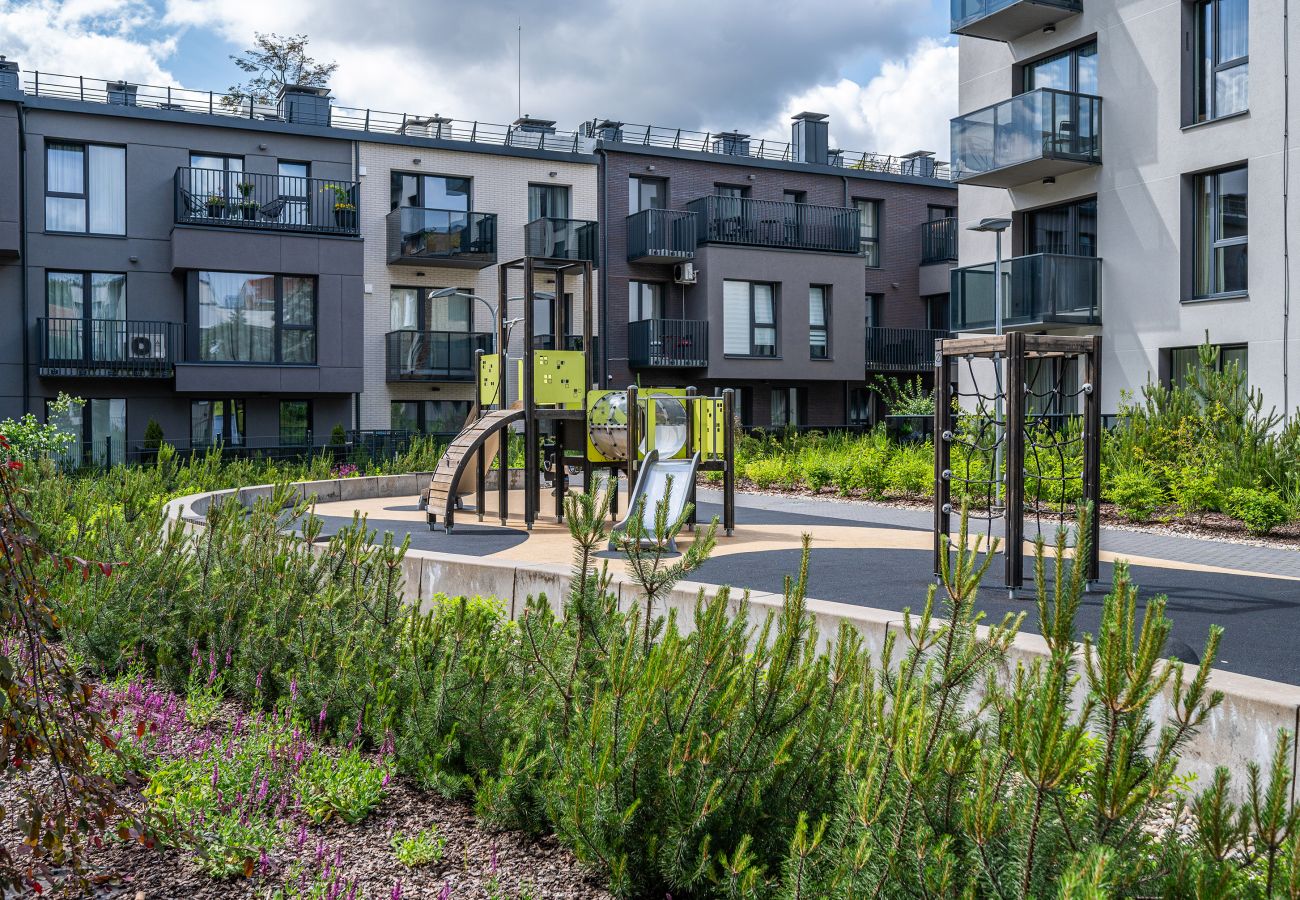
(338,437)
(1135,492)
(910,471)
(345,787)
(153,435)
(424,848)
(817,470)
(1195,487)
(774,471)
(1260,510)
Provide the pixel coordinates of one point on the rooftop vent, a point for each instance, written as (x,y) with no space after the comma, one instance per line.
(121,93)
(304,104)
(9,75)
(536,126)
(608,130)
(810,136)
(732,143)
(919,163)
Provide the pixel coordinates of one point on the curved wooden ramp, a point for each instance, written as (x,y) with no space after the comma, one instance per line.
(458,465)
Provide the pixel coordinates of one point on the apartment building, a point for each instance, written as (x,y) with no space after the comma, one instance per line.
(794,272)
(1171,221)
(171,260)
(443,203)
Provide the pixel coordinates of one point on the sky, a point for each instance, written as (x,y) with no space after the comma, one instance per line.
(884,70)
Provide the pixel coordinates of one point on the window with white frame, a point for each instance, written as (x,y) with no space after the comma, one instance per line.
(819,344)
(644,300)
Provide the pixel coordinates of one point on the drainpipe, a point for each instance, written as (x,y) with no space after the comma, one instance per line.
(22,251)
(1286,196)
(604,266)
(356,176)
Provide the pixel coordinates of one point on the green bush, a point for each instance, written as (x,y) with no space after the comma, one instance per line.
(1135,492)
(1260,510)
(338,437)
(771,472)
(153,435)
(910,471)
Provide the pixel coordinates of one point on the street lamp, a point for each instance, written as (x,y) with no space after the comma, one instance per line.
(997,226)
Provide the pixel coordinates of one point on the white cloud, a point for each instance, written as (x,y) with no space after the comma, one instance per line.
(101,38)
(906,107)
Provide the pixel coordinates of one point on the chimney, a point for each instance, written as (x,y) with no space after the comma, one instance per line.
(919,163)
(304,104)
(535,126)
(732,143)
(9,75)
(810,136)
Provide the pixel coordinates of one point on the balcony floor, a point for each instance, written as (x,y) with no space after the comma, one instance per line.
(1025,172)
(1014,21)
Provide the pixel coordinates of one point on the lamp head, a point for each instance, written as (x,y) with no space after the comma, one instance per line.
(994,225)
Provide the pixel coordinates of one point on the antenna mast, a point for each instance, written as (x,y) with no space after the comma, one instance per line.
(519,68)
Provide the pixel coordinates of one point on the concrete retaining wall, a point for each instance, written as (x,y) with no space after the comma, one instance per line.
(1243,729)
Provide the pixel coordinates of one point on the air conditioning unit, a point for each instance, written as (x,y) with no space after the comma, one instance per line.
(684,273)
(146,346)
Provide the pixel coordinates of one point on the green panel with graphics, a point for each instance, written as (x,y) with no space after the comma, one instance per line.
(559,376)
(489,379)
(710,427)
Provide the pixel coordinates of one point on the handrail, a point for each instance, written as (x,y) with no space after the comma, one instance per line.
(76,347)
(264,201)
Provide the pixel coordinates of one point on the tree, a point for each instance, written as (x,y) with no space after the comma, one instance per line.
(274,61)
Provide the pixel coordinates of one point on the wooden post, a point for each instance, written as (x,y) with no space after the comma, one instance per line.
(1092,456)
(503,396)
(562,327)
(729,460)
(633,440)
(532,488)
(1014,458)
(943,435)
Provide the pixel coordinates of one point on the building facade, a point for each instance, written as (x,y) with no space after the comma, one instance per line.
(1168,223)
(793,273)
(198,270)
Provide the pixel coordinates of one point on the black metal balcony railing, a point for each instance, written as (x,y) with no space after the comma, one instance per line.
(108,348)
(661,235)
(1041,289)
(775,223)
(420,236)
(668,343)
(267,202)
(553,238)
(1033,135)
(434,355)
(1006,20)
(939,241)
(901,349)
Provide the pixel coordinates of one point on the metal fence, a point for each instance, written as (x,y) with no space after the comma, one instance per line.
(902,349)
(108,348)
(939,241)
(267,202)
(661,234)
(776,223)
(668,343)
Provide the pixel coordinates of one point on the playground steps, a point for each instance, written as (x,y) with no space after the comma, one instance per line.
(457,462)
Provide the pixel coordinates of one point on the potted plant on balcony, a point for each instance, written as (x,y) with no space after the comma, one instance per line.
(216,206)
(247,205)
(345,211)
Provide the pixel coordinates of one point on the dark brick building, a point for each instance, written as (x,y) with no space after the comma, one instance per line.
(792,272)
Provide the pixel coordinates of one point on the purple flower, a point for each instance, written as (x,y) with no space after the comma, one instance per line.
(293,689)
(322,714)
(216,775)
(494,859)
(227,658)
(302,836)
(264,863)
(445,893)
(397,891)
(258,682)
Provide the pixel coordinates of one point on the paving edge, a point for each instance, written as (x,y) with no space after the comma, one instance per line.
(1242,729)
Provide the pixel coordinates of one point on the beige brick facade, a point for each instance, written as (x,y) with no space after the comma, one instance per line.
(500,185)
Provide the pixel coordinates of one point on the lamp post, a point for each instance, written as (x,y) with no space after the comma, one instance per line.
(996,226)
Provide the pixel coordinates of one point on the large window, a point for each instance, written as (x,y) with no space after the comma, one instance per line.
(1220,240)
(431,191)
(748,318)
(295,423)
(819,345)
(292,184)
(265,319)
(869,230)
(1222,59)
(1073,70)
(646,193)
(216,179)
(860,406)
(548,201)
(786,407)
(217,422)
(85,188)
(1182,360)
(1070,229)
(416,309)
(429,416)
(644,300)
(99,426)
(74,301)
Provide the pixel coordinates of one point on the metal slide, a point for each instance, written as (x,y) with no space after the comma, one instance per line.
(652,484)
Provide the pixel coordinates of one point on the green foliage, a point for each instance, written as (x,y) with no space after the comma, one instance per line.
(1135,492)
(338,437)
(153,435)
(1261,510)
(345,787)
(424,848)
(909,397)
(765,473)
(29,439)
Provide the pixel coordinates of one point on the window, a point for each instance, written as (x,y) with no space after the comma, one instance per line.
(1182,360)
(785,407)
(734,191)
(1074,70)
(74,302)
(1070,229)
(644,300)
(264,319)
(291,184)
(215,177)
(99,426)
(748,318)
(860,406)
(873,302)
(446,192)
(794,196)
(646,193)
(295,422)
(936,312)
(937,213)
(548,201)
(85,188)
(1220,233)
(217,422)
(869,230)
(429,416)
(818,321)
(416,309)
(1222,60)
(1053,386)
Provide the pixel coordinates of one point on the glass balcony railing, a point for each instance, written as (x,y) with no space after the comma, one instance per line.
(1006,20)
(552,238)
(434,355)
(661,235)
(1038,134)
(446,237)
(1037,290)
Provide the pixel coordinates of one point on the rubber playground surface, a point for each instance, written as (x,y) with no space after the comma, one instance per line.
(881,557)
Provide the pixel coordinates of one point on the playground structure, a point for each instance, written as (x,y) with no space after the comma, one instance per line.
(1021,440)
(653,436)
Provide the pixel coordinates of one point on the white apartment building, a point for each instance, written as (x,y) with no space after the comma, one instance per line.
(441,206)
(1140,150)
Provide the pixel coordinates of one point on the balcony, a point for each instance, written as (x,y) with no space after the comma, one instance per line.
(1006,20)
(774,223)
(901,349)
(939,241)
(668,344)
(1038,290)
(434,355)
(661,236)
(551,238)
(265,202)
(441,237)
(1035,135)
(108,348)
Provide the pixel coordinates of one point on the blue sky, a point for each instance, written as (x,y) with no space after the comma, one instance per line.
(885,70)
